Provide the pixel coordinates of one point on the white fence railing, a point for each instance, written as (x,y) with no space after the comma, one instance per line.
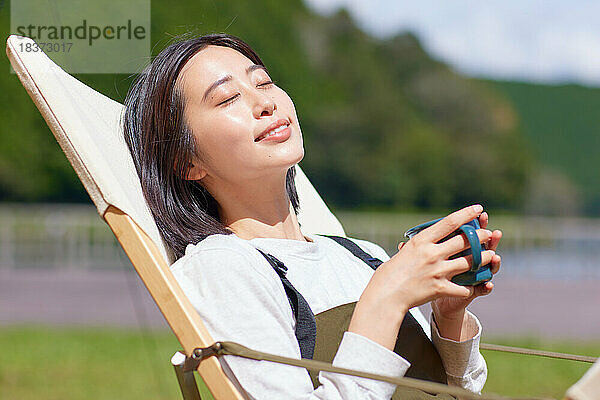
(74,237)
(57,236)
(532,247)
(518,231)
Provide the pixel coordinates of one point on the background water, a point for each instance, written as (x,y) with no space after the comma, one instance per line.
(571,261)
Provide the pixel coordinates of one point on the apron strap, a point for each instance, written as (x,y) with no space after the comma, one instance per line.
(306,326)
(357,251)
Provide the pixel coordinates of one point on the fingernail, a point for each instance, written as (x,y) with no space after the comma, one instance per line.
(478,208)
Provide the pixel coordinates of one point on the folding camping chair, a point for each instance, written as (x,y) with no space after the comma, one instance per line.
(87,126)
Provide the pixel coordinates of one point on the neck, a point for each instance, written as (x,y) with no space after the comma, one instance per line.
(259,210)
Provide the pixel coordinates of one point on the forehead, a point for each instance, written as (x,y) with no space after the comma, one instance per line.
(214,62)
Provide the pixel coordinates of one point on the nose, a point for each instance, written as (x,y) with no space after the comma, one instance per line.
(265,106)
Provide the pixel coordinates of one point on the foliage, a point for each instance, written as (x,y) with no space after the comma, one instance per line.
(384,125)
(563,124)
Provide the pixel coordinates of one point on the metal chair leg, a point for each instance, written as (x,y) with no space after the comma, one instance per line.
(186,379)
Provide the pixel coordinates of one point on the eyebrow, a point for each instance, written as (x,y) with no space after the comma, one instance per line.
(227,78)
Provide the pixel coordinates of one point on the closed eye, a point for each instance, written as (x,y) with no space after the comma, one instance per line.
(229,100)
(265,84)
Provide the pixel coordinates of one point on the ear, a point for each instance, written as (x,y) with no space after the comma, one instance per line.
(195,172)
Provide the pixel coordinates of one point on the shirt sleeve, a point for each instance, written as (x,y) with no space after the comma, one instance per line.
(240,300)
(463,362)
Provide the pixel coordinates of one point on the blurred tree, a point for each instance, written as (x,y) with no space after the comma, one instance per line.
(551,192)
(384,125)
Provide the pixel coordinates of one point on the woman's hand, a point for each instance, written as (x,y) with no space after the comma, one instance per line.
(419,272)
(449,312)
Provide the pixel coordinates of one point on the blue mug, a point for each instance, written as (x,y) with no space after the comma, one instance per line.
(478,273)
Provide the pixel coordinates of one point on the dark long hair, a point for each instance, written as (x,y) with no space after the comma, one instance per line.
(163,146)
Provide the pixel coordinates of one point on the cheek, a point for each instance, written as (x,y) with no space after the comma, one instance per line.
(284,101)
(223,137)
(228,128)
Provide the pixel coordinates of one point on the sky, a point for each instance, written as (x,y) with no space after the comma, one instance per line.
(550,41)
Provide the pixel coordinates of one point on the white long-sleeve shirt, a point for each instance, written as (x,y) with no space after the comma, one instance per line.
(240,298)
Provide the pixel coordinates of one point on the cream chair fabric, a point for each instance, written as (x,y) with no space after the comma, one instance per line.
(86,124)
(588,387)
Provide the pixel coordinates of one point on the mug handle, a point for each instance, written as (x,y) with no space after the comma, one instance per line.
(471,234)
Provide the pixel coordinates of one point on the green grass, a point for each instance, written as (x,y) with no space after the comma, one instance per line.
(74,363)
(521,375)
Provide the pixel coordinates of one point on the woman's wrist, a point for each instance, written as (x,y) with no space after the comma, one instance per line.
(377,320)
(453,326)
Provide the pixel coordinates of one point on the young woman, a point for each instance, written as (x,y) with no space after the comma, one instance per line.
(215,142)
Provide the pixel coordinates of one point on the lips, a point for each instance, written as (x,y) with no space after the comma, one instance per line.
(280,123)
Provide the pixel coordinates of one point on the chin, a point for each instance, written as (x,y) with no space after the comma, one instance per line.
(291,154)
(300,155)
(300,152)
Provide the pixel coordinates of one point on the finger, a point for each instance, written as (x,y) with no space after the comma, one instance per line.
(400,246)
(449,224)
(496,261)
(494,240)
(463,264)
(453,290)
(484,220)
(483,289)
(458,243)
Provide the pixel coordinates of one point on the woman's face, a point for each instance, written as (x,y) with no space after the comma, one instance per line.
(230,104)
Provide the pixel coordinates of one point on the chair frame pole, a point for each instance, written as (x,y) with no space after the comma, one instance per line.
(185,377)
(172,302)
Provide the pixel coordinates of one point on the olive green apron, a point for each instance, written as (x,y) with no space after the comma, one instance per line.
(417,349)
(319,335)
